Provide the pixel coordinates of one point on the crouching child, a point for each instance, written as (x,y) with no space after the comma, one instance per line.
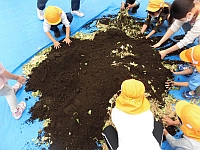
(54,16)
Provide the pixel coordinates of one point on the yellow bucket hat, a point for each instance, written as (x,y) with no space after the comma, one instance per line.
(192,55)
(155,5)
(132,99)
(53,15)
(190,117)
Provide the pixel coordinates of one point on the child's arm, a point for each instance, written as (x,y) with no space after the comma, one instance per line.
(67,39)
(181,143)
(181,83)
(173,28)
(66,23)
(46,28)
(144,27)
(8,75)
(132,5)
(55,43)
(164,38)
(184,72)
(171,122)
(122,4)
(137,2)
(161,20)
(146,23)
(150,34)
(158,25)
(190,36)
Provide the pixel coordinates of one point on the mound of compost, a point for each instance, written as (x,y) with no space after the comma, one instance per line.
(77,82)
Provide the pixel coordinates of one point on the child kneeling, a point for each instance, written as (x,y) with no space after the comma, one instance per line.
(157,10)
(191,55)
(10,91)
(54,16)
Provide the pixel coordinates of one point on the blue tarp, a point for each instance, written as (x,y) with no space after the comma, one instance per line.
(22,36)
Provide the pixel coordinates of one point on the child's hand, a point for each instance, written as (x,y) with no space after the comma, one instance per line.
(168,121)
(162,54)
(174,72)
(156,45)
(169,84)
(129,6)
(165,132)
(122,6)
(56,44)
(67,40)
(21,79)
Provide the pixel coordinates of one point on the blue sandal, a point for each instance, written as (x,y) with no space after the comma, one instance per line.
(188,96)
(182,67)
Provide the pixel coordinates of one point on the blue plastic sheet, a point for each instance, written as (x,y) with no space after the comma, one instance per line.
(22,36)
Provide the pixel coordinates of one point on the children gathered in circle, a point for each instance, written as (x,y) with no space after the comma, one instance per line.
(132,111)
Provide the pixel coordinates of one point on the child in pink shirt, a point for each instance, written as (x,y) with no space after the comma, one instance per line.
(10,91)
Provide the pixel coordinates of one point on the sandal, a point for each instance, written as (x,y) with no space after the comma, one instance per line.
(19,110)
(182,67)
(187,95)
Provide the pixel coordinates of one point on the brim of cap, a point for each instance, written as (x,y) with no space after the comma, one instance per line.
(180,105)
(183,56)
(132,109)
(54,23)
(154,9)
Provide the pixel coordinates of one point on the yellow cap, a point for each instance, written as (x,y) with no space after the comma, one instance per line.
(53,15)
(190,117)
(155,5)
(132,99)
(192,55)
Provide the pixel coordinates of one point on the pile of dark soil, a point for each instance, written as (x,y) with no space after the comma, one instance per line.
(79,78)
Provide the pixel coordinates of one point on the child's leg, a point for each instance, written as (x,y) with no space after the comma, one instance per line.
(130,2)
(55,29)
(158,131)
(189,95)
(16,109)
(41,4)
(197,91)
(16,87)
(111,137)
(134,10)
(40,7)
(9,93)
(70,18)
(75,4)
